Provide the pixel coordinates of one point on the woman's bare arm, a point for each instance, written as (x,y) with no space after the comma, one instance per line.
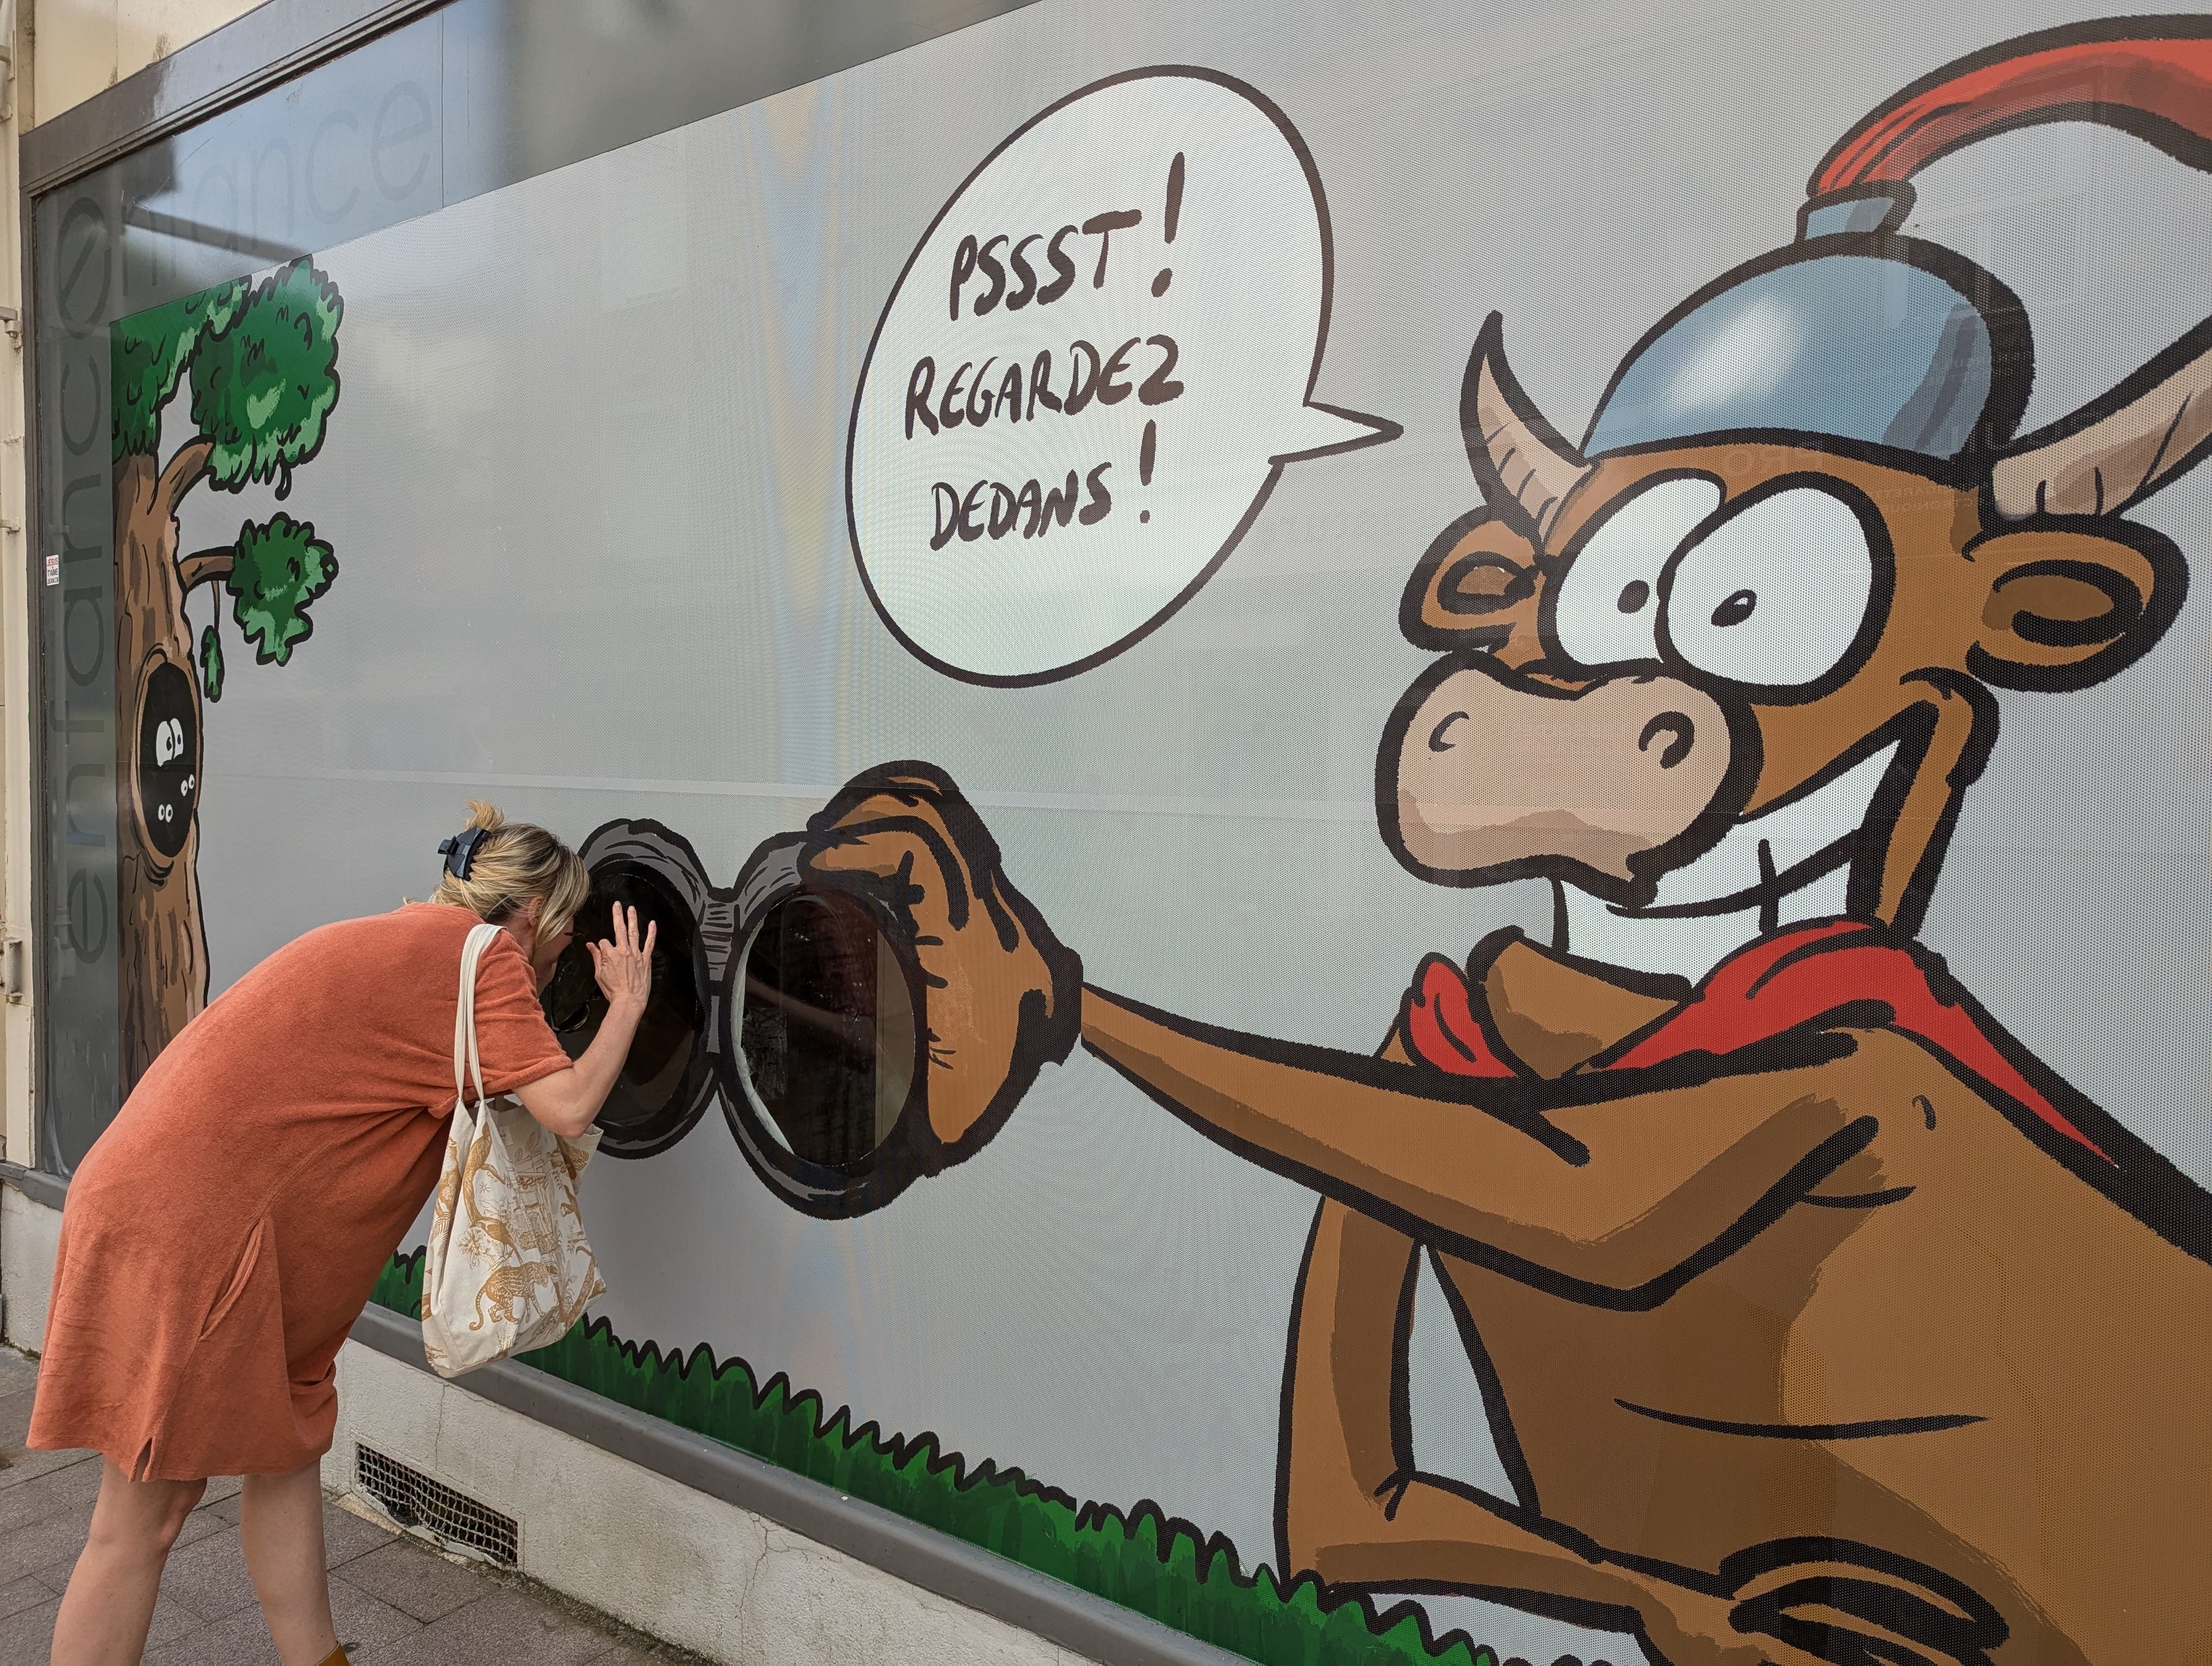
(567,1101)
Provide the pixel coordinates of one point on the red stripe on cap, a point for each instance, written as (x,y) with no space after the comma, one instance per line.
(2109,82)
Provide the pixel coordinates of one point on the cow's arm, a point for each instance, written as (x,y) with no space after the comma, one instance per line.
(1353,1507)
(1619,1196)
(1613,1200)
(1354,1510)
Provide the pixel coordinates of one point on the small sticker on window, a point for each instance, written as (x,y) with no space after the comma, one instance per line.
(53,570)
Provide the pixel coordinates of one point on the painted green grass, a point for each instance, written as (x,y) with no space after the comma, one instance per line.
(1141,1559)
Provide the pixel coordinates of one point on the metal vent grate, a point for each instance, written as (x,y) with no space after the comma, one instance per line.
(414,1501)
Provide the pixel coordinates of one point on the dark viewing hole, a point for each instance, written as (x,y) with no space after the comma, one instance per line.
(168,758)
(827,1029)
(670,1035)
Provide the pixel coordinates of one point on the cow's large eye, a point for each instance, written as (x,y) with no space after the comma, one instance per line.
(1606,609)
(1775,595)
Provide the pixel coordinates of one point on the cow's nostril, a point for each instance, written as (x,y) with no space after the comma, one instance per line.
(1438,743)
(1676,724)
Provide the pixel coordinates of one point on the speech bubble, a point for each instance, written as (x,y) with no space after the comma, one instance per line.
(1090,375)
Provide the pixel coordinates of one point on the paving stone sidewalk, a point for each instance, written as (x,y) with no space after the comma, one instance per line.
(396,1602)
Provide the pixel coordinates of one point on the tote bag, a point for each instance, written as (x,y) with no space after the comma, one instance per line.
(507,1267)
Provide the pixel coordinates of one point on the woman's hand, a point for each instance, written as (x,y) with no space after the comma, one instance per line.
(624,966)
(569,1101)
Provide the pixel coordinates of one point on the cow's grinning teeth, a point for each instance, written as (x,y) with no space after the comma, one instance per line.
(1800,837)
(1788,863)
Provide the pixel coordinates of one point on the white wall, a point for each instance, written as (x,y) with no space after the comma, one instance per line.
(29,1234)
(81,47)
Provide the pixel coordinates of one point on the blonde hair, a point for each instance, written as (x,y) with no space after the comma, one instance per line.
(514,862)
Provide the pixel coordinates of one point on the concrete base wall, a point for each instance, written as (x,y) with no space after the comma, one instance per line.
(30,1232)
(706,1575)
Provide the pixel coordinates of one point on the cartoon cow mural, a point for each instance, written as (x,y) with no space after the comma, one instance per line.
(1806,1301)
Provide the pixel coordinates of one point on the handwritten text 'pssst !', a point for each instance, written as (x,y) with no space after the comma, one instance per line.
(1090,375)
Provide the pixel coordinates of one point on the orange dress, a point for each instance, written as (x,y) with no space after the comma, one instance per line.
(223,1234)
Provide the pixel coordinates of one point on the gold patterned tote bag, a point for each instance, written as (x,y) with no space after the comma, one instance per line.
(507,1267)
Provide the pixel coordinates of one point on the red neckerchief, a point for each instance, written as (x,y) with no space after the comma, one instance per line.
(1796,978)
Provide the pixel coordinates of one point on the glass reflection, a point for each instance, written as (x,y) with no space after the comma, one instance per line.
(827,1029)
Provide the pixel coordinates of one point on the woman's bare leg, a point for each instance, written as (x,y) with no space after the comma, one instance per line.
(110,1601)
(281,1520)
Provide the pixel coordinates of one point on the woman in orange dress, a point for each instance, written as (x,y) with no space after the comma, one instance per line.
(223,1234)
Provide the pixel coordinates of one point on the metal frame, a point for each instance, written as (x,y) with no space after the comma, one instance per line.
(36,799)
(49,1189)
(272,43)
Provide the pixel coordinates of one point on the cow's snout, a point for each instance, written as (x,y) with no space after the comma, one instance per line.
(1488,771)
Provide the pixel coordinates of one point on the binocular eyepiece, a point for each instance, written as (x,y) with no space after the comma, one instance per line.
(787,1003)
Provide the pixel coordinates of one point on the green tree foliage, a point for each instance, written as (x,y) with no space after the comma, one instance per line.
(263,360)
(1141,1559)
(276,569)
(261,356)
(265,376)
(148,353)
(211,663)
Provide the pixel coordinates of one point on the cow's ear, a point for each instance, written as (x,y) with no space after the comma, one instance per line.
(1476,579)
(2069,604)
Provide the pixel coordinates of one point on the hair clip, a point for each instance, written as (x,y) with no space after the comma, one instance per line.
(460,851)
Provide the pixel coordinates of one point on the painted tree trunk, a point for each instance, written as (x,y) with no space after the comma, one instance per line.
(163,941)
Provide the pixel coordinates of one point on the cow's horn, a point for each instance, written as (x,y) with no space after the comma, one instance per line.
(1525,468)
(2121,447)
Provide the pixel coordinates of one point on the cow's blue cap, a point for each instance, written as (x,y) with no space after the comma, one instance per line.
(1854,334)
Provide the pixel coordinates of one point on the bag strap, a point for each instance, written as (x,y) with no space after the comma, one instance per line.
(464,1016)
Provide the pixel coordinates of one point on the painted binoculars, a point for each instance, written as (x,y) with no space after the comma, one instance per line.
(786,1003)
